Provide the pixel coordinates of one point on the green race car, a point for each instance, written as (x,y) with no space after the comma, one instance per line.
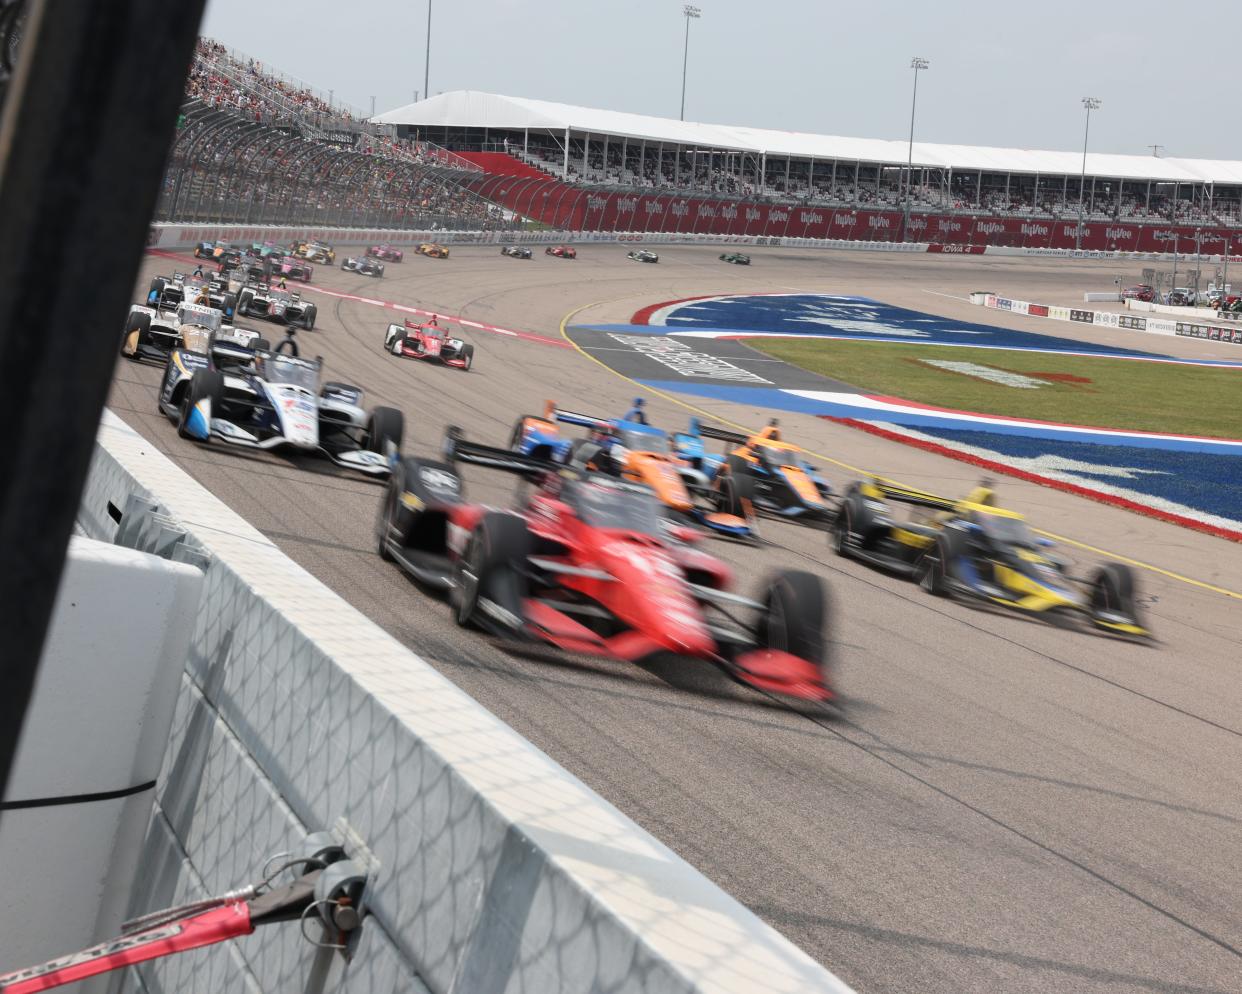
(737,258)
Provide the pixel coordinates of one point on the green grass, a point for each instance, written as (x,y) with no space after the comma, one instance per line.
(1105,393)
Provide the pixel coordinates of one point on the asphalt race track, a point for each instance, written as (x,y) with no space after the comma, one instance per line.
(1004,805)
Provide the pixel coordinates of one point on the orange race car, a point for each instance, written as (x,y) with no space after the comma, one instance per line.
(433,250)
(780,480)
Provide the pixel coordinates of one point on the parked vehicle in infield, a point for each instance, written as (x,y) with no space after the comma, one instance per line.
(561,251)
(736,258)
(774,475)
(152,333)
(318,252)
(433,250)
(428,341)
(293,268)
(1180,297)
(976,550)
(363,265)
(1141,291)
(260,300)
(386,252)
(642,255)
(630,449)
(262,398)
(516,252)
(588,564)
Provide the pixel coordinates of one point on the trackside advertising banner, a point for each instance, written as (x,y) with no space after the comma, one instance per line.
(1111,319)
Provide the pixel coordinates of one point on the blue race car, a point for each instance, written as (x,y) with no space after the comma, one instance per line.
(629,448)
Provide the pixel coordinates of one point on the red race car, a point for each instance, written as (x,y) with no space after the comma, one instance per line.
(428,341)
(561,251)
(386,252)
(1140,292)
(589,564)
(293,268)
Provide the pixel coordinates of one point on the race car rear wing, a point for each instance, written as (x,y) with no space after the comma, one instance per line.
(457,449)
(907,495)
(735,437)
(584,420)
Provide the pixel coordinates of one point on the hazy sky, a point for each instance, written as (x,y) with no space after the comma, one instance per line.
(1002,72)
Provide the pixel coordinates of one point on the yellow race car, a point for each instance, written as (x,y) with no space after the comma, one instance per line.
(974,549)
(433,250)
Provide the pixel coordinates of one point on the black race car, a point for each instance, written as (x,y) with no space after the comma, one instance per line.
(272,304)
(642,255)
(516,252)
(737,258)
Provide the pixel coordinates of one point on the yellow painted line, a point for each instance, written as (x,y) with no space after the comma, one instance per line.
(1136,563)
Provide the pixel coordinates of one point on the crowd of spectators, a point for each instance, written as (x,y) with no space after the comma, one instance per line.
(629,165)
(256,147)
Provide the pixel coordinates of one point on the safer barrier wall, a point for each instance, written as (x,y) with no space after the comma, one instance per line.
(497,870)
(1201,328)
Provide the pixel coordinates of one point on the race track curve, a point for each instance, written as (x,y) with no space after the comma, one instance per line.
(1004,805)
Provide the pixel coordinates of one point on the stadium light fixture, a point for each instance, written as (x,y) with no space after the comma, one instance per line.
(916,64)
(691,12)
(1090,104)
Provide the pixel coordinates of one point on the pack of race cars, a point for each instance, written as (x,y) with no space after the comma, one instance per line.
(601,550)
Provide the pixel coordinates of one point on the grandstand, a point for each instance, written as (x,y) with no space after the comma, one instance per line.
(254,146)
(673,175)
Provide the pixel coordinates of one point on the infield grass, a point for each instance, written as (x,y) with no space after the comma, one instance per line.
(1083,390)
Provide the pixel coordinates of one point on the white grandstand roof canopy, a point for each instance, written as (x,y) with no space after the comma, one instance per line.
(472,109)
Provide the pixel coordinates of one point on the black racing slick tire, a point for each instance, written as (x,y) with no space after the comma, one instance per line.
(737,490)
(138,328)
(795,614)
(841,528)
(490,584)
(261,344)
(206,384)
(228,304)
(386,424)
(1112,590)
(935,567)
(467,354)
(244,299)
(308,318)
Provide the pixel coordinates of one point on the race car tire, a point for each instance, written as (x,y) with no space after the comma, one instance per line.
(467,357)
(492,566)
(386,424)
(737,490)
(395,519)
(935,567)
(157,286)
(795,611)
(140,323)
(244,300)
(841,528)
(308,318)
(261,344)
(206,384)
(1112,589)
(228,304)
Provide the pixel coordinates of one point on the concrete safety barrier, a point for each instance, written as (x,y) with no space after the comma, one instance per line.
(496,869)
(1111,319)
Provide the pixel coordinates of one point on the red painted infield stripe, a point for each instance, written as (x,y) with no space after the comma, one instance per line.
(525,336)
(1044,481)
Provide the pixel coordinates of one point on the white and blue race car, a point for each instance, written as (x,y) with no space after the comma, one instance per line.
(263,398)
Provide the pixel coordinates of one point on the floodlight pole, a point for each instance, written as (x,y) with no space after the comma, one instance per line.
(1090,103)
(916,64)
(427,58)
(691,12)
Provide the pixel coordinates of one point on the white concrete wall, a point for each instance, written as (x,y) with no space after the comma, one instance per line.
(498,870)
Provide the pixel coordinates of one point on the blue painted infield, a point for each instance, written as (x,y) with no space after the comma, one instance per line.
(857,317)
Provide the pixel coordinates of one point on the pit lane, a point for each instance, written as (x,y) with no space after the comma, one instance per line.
(1005,805)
